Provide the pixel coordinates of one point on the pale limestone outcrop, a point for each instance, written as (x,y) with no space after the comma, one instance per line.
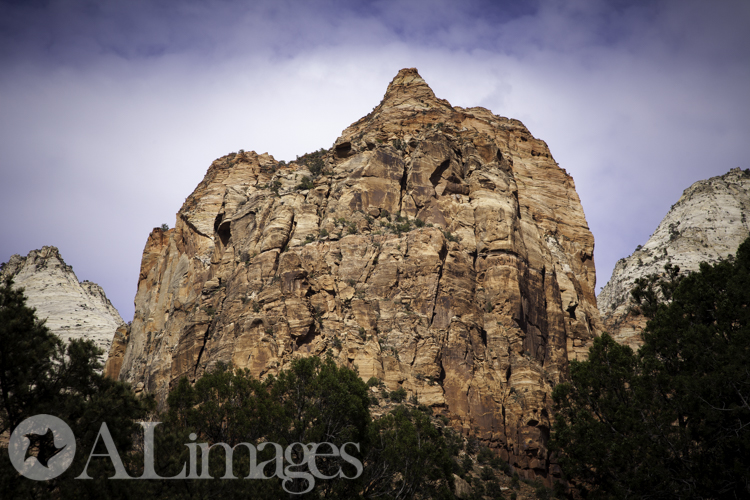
(707,223)
(473,299)
(72,309)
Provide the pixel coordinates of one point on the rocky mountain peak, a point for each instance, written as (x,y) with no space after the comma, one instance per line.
(46,257)
(72,309)
(439,249)
(409,102)
(706,224)
(407,86)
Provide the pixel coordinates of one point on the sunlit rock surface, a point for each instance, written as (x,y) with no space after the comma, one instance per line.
(473,299)
(707,223)
(72,309)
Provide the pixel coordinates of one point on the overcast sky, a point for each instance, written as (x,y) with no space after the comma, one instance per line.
(111,111)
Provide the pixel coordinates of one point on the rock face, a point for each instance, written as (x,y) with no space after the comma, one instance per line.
(706,224)
(73,309)
(439,249)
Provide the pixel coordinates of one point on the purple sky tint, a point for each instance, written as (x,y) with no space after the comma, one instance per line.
(111,112)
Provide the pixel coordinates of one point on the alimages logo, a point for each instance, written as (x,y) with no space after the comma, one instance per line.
(56,447)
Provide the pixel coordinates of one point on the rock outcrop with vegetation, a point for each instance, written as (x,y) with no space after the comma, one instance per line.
(72,309)
(439,249)
(707,224)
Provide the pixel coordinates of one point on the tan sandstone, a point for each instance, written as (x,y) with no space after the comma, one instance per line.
(476,312)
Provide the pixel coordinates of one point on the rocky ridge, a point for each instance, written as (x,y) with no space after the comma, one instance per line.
(707,223)
(72,309)
(437,248)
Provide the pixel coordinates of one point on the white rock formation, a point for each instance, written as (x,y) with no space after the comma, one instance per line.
(73,310)
(706,224)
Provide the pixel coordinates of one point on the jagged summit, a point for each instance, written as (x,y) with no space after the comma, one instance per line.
(439,249)
(410,110)
(410,103)
(408,88)
(407,80)
(406,77)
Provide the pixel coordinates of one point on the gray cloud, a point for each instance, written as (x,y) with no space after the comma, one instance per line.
(111,112)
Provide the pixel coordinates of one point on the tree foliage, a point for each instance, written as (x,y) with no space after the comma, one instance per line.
(654,289)
(673,419)
(407,457)
(40,374)
(313,401)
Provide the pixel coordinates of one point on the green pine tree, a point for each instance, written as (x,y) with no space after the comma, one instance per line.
(39,374)
(673,420)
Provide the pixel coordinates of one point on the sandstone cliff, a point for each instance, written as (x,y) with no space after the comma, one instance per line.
(437,248)
(72,309)
(707,223)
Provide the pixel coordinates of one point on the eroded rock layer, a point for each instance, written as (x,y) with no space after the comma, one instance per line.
(707,223)
(72,309)
(437,248)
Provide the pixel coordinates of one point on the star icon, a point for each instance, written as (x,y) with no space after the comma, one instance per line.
(42,447)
